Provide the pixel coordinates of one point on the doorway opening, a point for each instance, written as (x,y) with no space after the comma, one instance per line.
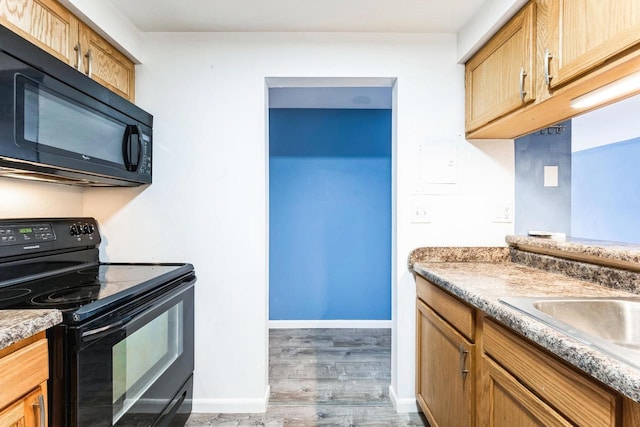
(331,175)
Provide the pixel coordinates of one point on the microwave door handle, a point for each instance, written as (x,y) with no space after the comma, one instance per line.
(131,151)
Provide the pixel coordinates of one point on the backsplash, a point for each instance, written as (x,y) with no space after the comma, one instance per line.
(28,199)
(614,278)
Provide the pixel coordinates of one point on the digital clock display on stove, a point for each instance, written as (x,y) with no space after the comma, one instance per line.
(25,230)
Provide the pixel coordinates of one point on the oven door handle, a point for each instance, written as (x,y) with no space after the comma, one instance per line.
(97,333)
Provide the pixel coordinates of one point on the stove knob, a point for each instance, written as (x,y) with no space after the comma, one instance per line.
(74,230)
(91,229)
(85,229)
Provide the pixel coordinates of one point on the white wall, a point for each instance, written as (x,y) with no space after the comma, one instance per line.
(29,199)
(484,24)
(208,203)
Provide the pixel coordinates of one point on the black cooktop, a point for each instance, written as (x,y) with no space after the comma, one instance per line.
(81,293)
(53,264)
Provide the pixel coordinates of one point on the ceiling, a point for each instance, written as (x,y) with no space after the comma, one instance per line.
(385,16)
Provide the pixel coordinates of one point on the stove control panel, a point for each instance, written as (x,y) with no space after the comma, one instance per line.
(28,236)
(79,228)
(21,234)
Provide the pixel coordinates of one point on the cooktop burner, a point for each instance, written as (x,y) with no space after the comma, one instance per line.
(87,290)
(69,297)
(14,293)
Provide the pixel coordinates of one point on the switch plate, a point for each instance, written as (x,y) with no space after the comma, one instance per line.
(420,213)
(503,213)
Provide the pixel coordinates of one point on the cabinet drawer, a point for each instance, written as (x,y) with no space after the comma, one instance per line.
(457,313)
(512,404)
(23,370)
(573,395)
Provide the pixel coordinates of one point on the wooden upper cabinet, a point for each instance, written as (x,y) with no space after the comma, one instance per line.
(45,23)
(500,78)
(586,33)
(105,64)
(55,29)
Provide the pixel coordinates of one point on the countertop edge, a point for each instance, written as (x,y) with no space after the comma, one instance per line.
(17,325)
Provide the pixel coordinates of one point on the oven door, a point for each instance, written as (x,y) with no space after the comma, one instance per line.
(134,367)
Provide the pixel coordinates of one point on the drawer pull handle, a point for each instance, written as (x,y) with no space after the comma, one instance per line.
(463,360)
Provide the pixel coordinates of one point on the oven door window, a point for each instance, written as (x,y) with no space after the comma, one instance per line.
(142,357)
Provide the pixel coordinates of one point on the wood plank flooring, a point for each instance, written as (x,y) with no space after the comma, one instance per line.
(325,377)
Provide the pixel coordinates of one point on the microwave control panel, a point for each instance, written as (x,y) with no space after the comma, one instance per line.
(145,156)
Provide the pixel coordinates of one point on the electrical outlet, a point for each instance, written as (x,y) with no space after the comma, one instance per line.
(420,213)
(503,213)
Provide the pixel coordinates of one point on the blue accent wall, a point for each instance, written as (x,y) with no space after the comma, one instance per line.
(605,195)
(538,207)
(329,214)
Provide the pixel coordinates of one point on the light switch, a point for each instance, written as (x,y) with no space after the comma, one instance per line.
(551,176)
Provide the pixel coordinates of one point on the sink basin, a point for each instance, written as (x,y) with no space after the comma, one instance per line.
(610,324)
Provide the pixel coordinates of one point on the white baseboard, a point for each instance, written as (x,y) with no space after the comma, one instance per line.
(311,324)
(231,406)
(403,406)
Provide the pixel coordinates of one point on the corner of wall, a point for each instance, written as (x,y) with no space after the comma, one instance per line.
(235,406)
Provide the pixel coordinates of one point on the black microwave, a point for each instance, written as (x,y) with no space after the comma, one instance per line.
(58,125)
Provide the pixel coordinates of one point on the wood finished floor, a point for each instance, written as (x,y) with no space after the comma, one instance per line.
(325,377)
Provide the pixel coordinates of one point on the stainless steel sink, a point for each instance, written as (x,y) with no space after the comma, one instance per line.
(610,324)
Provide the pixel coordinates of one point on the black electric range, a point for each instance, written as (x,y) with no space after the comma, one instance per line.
(123,354)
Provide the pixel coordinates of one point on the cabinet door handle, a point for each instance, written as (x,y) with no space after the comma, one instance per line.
(463,360)
(523,92)
(89,57)
(40,407)
(547,61)
(78,49)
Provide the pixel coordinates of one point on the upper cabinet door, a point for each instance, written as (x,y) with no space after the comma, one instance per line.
(585,33)
(45,23)
(106,65)
(500,78)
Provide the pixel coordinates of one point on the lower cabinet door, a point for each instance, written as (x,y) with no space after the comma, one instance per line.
(29,411)
(445,371)
(508,403)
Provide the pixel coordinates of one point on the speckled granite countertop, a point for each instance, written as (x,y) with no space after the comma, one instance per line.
(16,325)
(595,249)
(486,274)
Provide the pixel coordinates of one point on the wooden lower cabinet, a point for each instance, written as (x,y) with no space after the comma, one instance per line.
(445,373)
(28,411)
(24,370)
(510,380)
(579,399)
(508,403)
